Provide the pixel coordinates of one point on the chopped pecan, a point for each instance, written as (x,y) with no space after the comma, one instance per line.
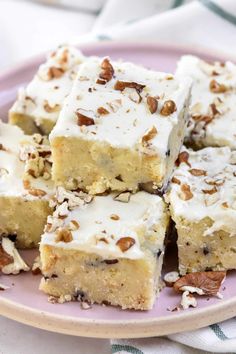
(51,109)
(149,135)
(216,87)
(125,243)
(186,193)
(168,108)
(74,225)
(210,191)
(63,235)
(101,82)
(5,258)
(107,70)
(152,104)
(55,73)
(183,158)
(37,192)
(197,172)
(121,85)
(204,283)
(175,180)
(102,111)
(170,278)
(82,119)
(114,217)
(2,148)
(214,110)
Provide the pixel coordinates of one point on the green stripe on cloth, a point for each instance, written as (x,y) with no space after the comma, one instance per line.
(177,3)
(128,348)
(218,332)
(219,11)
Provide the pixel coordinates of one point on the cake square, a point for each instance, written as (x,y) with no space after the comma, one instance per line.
(25,185)
(106,249)
(120,128)
(38,105)
(202,199)
(213,103)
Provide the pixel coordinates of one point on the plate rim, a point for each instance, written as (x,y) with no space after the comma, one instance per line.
(119,328)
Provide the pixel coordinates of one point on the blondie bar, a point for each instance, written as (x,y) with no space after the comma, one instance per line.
(120,128)
(202,199)
(213,103)
(25,185)
(38,105)
(107,249)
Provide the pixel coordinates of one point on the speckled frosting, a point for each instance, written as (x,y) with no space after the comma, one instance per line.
(136,108)
(97,225)
(19,161)
(45,94)
(204,185)
(213,103)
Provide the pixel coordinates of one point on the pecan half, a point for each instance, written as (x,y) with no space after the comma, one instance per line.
(82,119)
(168,108)
(208,282)
(125,243)
(216,87)
(152,104)
(107,70)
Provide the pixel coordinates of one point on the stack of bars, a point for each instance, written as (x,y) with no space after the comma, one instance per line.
(99,195)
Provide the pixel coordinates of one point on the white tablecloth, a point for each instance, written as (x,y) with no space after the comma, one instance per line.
(28,28)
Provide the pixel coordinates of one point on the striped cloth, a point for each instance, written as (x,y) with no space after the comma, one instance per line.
(203,23)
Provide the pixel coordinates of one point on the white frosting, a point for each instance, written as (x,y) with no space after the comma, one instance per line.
(127,121)
(219,165)
(221,131)
(138,219)
(41,91)
(12,169)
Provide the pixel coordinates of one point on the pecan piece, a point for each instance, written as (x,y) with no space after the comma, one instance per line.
(168,108)
(216,87)
(107,70)
(175,180)
(37,192)
(125,243)
(183,157)
(149,135)
(63,235)
(51,109)
(186,193)
(204,283)
(210,191)
(102,111)
(114,217)
(5,258)
(55,73)
(82,119)
(121,85)
(197,172)
(152,104)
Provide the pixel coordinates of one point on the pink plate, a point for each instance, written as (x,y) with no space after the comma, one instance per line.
(23,302)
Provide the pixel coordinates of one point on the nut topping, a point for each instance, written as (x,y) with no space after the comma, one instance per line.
(125,243)
(55,73)
(115,217)
(15,263)
(121,85)
(51,109)
(204,283)
(183,157)
(82,119)
(73,225)
(175,180)
(37,192)
(149,135)
(168,108)
(63,235)
(102,111)
(5,258)
(210,191)
(152,104)
(216,87)
(186,193)
(107,70)
(197,172)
